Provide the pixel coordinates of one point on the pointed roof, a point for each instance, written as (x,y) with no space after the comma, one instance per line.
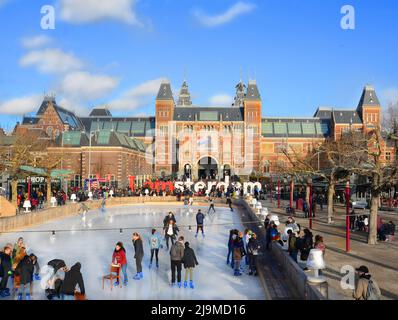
(240,94)
(368,98)
(184,98)
(165,92)
(253,93)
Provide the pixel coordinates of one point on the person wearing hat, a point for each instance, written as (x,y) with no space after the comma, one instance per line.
(362,290)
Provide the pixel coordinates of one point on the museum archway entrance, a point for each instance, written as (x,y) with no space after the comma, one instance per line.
(207,168)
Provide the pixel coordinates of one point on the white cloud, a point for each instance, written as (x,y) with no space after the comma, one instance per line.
(137,96)
(87,11)
(221,100)
(84,86)
(35,42)
(21,105)
(233,12)
(51,61)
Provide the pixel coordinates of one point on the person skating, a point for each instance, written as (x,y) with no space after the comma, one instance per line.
(139,255)
(155,245)
(366,288)
(199,223)
(103,203)
(73,278)
(229,203)
(5,271)
(253,248)
(171,232)
(119,258)
(170,216)
(239,253)
(230,245)
(190,262)
(246,237)
(53,273)
(24,271)
(211,206)
(176,256)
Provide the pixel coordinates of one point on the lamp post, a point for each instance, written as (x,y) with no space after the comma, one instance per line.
(291,193)
(89,161)
(347,219)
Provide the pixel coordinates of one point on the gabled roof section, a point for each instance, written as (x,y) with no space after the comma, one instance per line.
(346,117)
(100,112)
(73,139)
(253,93)
(165,92)
(323,113)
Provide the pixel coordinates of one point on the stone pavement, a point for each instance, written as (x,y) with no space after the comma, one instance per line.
(381,259)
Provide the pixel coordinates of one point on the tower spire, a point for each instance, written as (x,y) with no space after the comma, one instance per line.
(184,98)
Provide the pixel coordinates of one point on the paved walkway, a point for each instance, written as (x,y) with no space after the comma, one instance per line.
(381,259)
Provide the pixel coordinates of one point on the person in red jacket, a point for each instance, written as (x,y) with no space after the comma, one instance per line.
(119,258)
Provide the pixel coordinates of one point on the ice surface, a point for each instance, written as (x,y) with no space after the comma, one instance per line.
(214,280)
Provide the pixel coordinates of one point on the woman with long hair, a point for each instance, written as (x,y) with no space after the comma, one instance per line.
(139,255)
(119,259)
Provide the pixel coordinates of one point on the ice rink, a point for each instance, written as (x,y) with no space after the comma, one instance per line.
(213,278)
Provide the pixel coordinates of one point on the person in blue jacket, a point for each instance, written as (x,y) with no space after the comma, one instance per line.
(155,244)
(200,217)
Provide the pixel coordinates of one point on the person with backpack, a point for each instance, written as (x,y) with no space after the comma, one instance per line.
(199,223)
(190,262)
(176,257)
(119,259)
(139,255)
(366,288)
(155,245)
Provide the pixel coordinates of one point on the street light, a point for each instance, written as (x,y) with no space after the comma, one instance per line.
(89,158)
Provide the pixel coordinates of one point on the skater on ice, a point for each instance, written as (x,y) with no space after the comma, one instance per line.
(229,203)
(53,273)
(211,207)
(119,259)
(139,255)
(239,253)
(253,249)
(103,203)
(199,223)
(5,271)
(72,279)
(24,275)
(166,220)
(190,262)
(155,243)
(171,232)
(176,256)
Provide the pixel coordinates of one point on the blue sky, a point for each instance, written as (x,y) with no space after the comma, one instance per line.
(296,50)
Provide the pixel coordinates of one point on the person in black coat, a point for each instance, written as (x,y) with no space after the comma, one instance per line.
(139,255)
(5,271)
(190,262)
(253,249)
(200,217)
(24,271)
(72,278)
(167,219)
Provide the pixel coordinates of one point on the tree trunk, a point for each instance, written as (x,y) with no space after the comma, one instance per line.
(374,208)
(49,191)
(330,202)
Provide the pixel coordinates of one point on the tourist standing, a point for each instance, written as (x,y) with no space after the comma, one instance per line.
(139,255)
(239,252)
(155,245)
(119,258)
(253,248)
(306,245)
(199,223)
(366,288)
(5,271)
(190,262)
(292,245)
(176,256)
(319,244)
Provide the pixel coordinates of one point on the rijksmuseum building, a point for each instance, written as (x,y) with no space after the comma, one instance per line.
(185,140)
